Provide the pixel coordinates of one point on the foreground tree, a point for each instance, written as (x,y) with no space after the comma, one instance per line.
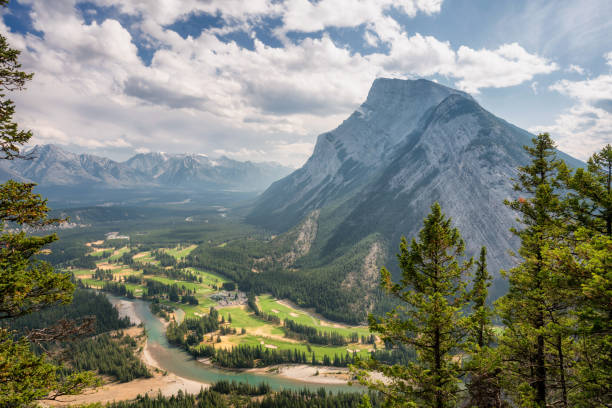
(26,284)
(590,197)
(429,319)
(483,365)
(535,339)
(586,257)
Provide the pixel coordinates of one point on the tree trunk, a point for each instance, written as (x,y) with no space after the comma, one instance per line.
(562,370)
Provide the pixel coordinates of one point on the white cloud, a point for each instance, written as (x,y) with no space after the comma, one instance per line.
(508,65)
(204,94)
(576,68)
(587,126)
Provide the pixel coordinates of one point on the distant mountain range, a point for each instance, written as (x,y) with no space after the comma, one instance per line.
(373,179)
(53,166)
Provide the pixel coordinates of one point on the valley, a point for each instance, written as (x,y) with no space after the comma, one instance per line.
(131,272)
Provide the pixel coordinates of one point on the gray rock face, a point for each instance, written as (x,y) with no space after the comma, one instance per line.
(345,159)
(410,144)
(53,166)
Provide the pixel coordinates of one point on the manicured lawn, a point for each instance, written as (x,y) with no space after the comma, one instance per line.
(117,254)
(98,253)
(209,278)
(167,281)
(267,304)
(80,272)
(241,318)
(319,351)
(179,252)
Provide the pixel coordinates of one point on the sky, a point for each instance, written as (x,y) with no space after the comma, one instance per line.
(260,79)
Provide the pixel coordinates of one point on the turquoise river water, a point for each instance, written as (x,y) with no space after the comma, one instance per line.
(177,361)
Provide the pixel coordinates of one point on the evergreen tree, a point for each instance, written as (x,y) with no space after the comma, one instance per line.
(26,284)
(586,259)
(483,366)
(534,342)
(590,197)
(429,319)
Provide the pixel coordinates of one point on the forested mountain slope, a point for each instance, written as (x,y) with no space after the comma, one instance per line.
(374,178)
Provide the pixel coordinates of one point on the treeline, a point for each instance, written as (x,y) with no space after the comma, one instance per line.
(173,291)
(226,387)
(85,303)
(192,330)
(108,355)
(163,258)
(103,274)
(312,335)
(177,272)
(160,309)
(246,356)
(400,354)
(211,398)
(117,288)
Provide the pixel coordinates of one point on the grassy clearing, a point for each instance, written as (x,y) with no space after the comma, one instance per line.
(209,278)
(99,252)
(271,306)
(80,272)
(319,351)
(167,281)
(241,318)
(180,252)
(117,253)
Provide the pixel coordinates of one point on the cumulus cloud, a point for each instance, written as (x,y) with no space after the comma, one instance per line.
(587,126)
(206,94)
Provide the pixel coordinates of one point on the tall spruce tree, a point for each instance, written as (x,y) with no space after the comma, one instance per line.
(585,256)
(590,197)
(432,295)
(26,284)
(483,365)
(534,307)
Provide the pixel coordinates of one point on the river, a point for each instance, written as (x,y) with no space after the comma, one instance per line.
(177,361)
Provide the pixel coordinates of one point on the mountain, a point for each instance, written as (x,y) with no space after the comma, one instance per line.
(373,179)
(52,166)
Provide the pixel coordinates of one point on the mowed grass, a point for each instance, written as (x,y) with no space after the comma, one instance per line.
(209,278)
(99,284)
(145,257)
(268,304)
(99,252)
(80,272)
(180,252)
(168,281)
(241,318)
(319,351)
(117,254)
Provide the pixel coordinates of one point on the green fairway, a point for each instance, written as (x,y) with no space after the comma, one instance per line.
(270,305)
(80,272)
(319,351)
(117,254)
(180,252)
(241,318)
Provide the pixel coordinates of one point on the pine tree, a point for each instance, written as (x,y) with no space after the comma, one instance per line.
(429,319)
(534,307)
